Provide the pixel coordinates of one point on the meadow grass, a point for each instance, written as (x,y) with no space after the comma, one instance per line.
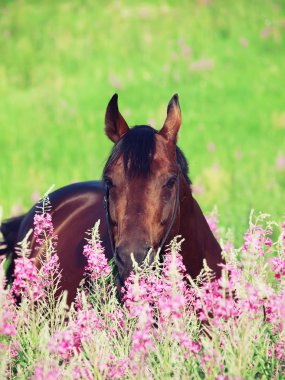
(61,61)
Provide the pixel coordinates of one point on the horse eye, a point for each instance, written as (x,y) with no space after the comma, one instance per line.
(108,182)
(170,183)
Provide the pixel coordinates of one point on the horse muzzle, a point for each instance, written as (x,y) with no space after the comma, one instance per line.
(125,258)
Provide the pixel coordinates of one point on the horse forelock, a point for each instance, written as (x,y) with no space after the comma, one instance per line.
(137,148)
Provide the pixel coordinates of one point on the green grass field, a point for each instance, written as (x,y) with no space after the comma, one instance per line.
(61,61)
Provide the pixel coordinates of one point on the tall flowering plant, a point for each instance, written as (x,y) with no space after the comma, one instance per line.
(98,271)
(31,282)
(8,313)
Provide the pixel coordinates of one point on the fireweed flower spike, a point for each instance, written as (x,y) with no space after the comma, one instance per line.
(27,282)
(8,314)
(97,265)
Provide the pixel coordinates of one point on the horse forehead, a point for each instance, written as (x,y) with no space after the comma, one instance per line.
(163,151)
(161,162)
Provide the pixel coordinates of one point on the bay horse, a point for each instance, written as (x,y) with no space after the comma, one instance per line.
(143,200)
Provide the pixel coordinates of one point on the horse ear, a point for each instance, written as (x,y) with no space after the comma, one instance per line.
(173,120)
(115,124)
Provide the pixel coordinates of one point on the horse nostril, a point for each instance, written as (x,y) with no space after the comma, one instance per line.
(119,256)
(148,253)
(123,255)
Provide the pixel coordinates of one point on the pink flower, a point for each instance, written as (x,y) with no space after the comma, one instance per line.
(142,342)
(27,281)
(115,368)
(97,265)
(117,322)
(283,237)
(173,262)
(66,343)
(212,221)
(278,265)
(14,349)
(215,304)
(275,311)
(48,372)
(252,303)
(8,323)
(63,343)
(210,359)
(280,350)
(148,289)
(86,322)
(228,247)
(82,373)
(172,306)
(50,271)
(256,240)
(137,298)
(43,227)
(8,311)
(187,343)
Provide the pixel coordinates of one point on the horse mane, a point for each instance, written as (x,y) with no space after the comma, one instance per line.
(137,148)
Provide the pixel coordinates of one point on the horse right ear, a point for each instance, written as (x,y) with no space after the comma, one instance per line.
(173,120)
(115,124)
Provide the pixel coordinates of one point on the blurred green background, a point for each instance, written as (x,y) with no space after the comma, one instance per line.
(61,61)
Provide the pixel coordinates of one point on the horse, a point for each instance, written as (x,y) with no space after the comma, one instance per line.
(143,201)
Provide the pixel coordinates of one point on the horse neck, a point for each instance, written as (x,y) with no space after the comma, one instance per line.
(199,241)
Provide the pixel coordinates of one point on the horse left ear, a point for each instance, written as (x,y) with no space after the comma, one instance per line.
(115,124)
(173,120)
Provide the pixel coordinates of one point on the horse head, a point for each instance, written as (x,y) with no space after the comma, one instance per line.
(144,178)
